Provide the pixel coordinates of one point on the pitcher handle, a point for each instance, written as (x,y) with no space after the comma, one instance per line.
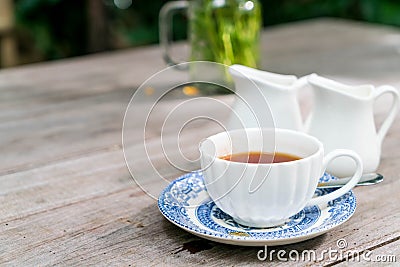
(323,200)
(165,25)
(394,109)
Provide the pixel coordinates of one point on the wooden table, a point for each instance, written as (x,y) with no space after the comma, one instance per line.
(67,197)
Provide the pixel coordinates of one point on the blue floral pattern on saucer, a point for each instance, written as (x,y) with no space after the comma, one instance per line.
(185,202)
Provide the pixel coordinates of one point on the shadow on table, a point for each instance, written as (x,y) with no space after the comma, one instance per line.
(209,251)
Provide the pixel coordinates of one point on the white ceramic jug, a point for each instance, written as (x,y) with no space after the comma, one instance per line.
(343,117)
(265,99)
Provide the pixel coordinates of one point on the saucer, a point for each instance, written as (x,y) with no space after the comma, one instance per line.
(186,203)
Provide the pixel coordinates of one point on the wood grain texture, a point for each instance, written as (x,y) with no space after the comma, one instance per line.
(67,197)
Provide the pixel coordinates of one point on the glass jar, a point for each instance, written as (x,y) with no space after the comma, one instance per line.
(223,31)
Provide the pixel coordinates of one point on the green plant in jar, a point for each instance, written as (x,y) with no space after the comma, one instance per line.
(226,31)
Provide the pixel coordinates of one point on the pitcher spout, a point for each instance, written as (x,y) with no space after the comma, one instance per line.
(264,95)
(357,93)
(262,78)
(301,82)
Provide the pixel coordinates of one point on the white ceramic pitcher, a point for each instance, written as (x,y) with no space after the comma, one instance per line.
(265,99)
(343,117)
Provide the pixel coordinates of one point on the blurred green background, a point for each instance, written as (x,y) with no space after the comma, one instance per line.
(54,29)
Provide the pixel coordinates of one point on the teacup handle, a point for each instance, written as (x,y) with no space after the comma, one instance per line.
(321,200)
(394,109)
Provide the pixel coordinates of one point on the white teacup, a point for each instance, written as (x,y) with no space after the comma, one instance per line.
(266,195)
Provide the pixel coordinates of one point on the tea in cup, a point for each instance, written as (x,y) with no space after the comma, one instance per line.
(262,177)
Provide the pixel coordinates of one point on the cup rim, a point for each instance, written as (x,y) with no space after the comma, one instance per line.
(319,144)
